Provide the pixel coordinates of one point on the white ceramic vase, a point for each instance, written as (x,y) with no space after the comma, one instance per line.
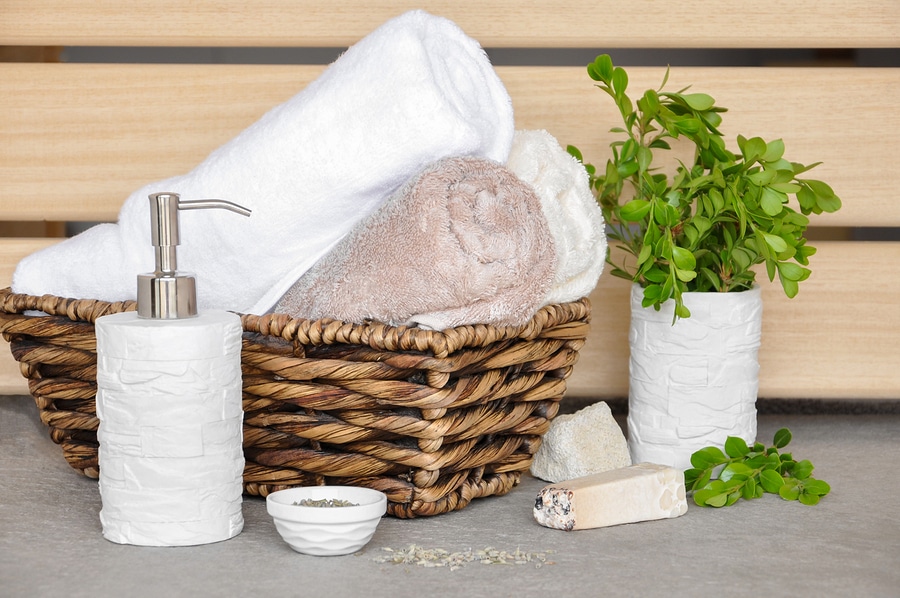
(694,383)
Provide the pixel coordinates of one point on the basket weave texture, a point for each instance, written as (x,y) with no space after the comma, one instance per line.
(432,418)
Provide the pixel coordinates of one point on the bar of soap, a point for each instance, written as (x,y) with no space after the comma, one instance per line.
(627,495)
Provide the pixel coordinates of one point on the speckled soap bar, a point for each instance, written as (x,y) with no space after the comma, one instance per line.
(638,493)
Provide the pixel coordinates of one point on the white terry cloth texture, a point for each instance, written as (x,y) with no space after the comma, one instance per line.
(575,219)
(415,90)
(463,242)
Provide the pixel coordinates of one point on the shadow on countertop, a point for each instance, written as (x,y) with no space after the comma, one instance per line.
(619,407)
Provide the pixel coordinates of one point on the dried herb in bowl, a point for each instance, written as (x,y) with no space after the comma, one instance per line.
(325,502)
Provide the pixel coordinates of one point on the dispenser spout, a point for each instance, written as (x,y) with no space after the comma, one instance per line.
(203,204)
(167,293)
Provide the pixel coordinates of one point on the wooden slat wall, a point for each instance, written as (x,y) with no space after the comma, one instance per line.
(80,132)
(496,23)
(75,140)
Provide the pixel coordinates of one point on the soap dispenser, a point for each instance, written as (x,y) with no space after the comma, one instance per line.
(169,404)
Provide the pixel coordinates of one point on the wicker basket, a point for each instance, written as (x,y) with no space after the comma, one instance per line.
(433,419)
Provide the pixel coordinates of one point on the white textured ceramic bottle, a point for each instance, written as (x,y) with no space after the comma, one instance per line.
(169,404)
(693,384)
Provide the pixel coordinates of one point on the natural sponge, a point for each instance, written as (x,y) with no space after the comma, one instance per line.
(579,444)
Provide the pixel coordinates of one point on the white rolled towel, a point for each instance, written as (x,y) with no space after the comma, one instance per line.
(415,90)
(575,219)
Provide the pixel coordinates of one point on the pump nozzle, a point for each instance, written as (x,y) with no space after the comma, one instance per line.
(167,293)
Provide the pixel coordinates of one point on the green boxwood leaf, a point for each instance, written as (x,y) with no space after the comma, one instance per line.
(735,471)
(742,257)
(757,461)
(802,469)
(791,288)
(624,104)
(620,83)
(626,169)
(644,255)
(699,101)
(771,480)
(790,490)
(735,446)
(776,243)
(817,487)
(808,499)
(762,177)
(691,476)
(786,187)
(708,457)
(604,67)
(685,275)
(749,489)
(688,125)
(782,438)
(635,210)
(644,158)
(710,498)
(652,293)
(792,271)
(574,152)
(628,151)
(825,197)
(774,151)
(831,203)
(772,201)
(684,259)
(753,148)
(657,276)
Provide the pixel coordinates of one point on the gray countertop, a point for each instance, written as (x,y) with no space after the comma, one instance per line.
(848,545)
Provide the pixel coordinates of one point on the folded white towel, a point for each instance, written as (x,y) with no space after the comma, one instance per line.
(415,90)
(575,218)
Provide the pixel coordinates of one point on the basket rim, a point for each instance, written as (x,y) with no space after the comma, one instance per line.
(377,335)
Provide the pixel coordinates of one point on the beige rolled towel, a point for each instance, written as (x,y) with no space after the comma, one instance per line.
(463,242)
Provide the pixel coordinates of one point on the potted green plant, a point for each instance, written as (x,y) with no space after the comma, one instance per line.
(692,237)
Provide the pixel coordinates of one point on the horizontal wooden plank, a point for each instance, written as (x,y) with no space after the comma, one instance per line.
(836,339)
(809,108)
(499,23)
(14,249)
(79,138)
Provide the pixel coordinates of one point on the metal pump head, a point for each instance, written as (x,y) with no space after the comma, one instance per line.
(167,293)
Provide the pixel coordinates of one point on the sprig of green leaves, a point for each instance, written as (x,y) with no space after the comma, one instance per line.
(749,472)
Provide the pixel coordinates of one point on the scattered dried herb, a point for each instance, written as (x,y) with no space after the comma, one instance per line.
(438,557)
(325,502)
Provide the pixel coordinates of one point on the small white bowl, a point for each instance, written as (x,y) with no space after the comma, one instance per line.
(327,531)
